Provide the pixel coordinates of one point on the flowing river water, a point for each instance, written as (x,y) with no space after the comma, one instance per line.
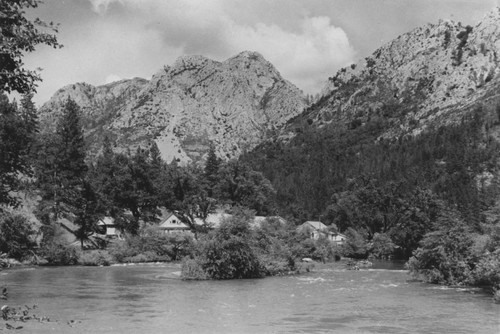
(152,299)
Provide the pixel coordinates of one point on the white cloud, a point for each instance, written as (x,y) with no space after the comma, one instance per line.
(112,78)
(132,38)
(306,57)
(101,6)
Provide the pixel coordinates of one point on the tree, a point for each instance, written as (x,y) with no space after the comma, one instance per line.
(17,236)
(69,168)
(15,141)
(128,184)
(212,171)
(72,152)
(240,185)
(18,35)
(227,252)
(62,175)
(190,200)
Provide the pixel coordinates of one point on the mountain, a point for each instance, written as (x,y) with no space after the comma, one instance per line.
(233,104)
(427,77)
(421,114)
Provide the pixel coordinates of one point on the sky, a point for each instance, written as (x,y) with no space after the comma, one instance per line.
(306,40)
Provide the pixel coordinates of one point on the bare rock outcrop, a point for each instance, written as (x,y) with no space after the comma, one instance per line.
(234,104)
(430,76)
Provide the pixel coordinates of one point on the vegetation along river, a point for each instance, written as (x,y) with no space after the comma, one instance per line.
(152,299)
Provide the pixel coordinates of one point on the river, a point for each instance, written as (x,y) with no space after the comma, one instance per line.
(152,299)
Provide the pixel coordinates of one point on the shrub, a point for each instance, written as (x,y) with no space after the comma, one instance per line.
(487,271)
(120,250)
(95,258)
(17,236)
(324,250)
(154,245)
(228,251)
(355,245)
(229,256)
(382,246)
(192,270)
(445,256)
(59,254)
(147,256)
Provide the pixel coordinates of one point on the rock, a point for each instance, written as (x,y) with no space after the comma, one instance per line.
(431,76)
(234,104)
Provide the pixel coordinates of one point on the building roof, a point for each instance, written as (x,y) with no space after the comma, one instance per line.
(169,221)
(317,225)
(106,221)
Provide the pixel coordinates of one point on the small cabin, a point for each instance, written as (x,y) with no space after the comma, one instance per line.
(108,227)
(172,224)
(338,238)
(316,229)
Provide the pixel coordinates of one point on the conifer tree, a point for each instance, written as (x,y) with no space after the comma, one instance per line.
(72,145)
(62,175)
(212,166)
(15,142)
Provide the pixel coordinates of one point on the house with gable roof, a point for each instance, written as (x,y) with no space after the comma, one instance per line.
(316,229)
(171,224)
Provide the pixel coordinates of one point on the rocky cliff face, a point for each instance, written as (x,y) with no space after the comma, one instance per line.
(430,76)
(234,104)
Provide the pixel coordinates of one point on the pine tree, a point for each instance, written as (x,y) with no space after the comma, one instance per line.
(15,141)
(212,171)
(72,150)
(62,175)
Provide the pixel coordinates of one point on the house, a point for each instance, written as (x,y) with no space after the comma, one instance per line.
(338,238)
(170,223)
(316,229)
(109,228)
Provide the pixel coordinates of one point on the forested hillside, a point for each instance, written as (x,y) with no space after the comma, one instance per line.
(401,153)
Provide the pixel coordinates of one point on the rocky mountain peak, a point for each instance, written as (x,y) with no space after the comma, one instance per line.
(234,104)
(419,79)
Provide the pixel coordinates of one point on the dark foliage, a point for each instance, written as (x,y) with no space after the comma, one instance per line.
(17,236)
(18,36)
(395,187)
(17,130)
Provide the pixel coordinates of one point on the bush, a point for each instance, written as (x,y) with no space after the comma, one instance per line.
(274,266)
(445,256)
(95,258)
(228,252)
(355,245)
(192,270)
(152,245)
(487,271)
(229,256)
(382,246)
(147,256)
(17,236)
(120,250)
(60,254)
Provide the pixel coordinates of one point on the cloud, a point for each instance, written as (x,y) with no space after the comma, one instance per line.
(306,55)
(112,78)
(130,38)
(101,6)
